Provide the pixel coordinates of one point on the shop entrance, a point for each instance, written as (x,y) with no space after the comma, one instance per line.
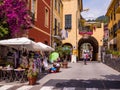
(89,45)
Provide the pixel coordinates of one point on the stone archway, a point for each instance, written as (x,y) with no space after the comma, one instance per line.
(91,40)
(68,44)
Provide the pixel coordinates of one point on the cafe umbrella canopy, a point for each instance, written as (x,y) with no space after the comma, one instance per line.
(20,43)
(45,47)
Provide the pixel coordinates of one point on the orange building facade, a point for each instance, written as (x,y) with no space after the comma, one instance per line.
(42,15)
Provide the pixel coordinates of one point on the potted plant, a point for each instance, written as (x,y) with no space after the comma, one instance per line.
(65,64)
(64,52)
(32,76)
(32,73)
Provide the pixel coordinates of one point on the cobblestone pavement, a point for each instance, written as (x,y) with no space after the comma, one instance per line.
(93,76)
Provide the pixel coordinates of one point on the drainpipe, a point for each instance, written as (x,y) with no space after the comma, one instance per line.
(76,49)
(76,28)
(51,24)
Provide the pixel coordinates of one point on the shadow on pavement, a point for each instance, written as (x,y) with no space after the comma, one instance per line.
(112,77)
(102,84)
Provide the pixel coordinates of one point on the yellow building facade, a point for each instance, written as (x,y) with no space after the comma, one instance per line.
(113,13)
(71,12)
(73,8)
(57,22)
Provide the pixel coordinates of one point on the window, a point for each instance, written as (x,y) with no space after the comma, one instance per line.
(46,17)
(58,26)
(59,7)
(56,4)
(55,27)
(115,27)
(111,16)
(119,24)
(114,14)
(34,8)
(68,21)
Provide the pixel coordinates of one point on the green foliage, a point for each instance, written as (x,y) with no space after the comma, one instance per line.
(9,63)
(65,50)
(3,31)
(59,50)
(108,51)
(32,72)
(15,14)
(102,19)
(116,53)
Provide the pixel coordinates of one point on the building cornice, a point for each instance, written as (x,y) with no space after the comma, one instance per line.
(33,26)
(111,7)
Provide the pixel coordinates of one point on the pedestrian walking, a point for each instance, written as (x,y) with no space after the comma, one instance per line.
(85,57)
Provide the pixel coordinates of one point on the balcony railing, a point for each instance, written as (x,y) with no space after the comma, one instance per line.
(82,32)
(86,30)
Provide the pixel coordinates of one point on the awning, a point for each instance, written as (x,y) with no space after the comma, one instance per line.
(45,47)
(19,43)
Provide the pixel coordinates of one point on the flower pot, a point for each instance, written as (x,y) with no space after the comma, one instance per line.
(65,64)
(32,80)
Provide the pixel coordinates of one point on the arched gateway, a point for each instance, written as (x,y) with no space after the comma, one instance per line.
(90,41)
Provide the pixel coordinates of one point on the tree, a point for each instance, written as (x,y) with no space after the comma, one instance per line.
(14,13)
(63,51)
(3,23)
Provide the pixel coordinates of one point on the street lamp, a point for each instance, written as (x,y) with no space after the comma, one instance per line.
(87,9)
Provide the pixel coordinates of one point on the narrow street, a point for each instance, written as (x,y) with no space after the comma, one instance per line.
(93,76)
(34,33)
(79,76)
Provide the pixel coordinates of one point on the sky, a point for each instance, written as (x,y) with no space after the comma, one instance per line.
(96,8)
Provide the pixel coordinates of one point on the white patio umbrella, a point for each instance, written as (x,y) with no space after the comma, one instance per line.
(20,43)
(45,47)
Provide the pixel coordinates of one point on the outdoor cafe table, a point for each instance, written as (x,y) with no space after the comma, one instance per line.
(20,75)
(7,74)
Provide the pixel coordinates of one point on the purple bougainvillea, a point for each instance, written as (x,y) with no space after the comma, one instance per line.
(16,15)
